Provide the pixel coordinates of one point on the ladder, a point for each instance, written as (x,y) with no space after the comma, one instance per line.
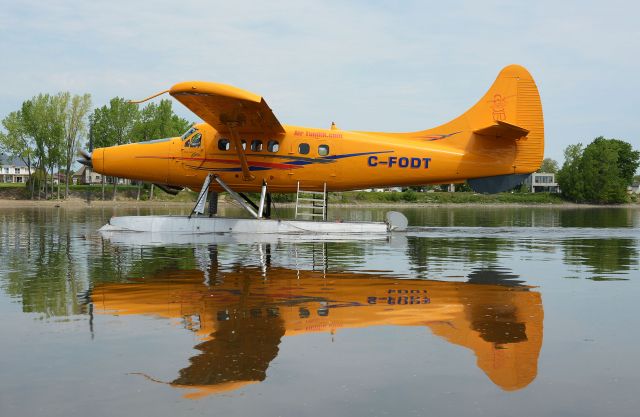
(311,204)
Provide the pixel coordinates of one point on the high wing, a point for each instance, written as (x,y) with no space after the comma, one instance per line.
(224,107)
(229,110)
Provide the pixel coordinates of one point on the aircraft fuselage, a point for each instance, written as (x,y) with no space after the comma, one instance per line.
(344,160)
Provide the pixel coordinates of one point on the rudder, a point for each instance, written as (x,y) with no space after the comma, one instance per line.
(514,98)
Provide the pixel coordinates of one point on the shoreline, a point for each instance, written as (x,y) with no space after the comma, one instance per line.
(78,203)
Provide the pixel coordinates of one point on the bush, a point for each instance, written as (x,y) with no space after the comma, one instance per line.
(599,173)
(410,195)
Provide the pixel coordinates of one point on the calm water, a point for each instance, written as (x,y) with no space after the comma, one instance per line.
(474,311)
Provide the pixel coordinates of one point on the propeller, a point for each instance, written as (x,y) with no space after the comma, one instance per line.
(86,158)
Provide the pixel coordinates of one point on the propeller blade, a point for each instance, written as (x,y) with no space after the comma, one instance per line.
(86,162)
(86,155)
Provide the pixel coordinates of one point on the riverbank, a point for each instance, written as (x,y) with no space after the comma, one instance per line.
(77,203)
(127,196)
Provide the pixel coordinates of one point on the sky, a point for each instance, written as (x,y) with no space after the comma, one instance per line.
(367,65)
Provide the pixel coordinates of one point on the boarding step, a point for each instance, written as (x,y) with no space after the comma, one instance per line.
(315,200)
(304,206)
(309,205)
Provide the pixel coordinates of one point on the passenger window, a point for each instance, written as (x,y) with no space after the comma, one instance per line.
(224,144)
(273,146)
(323,150)
(303,148)
(194,142)
(244,144)
(256,145)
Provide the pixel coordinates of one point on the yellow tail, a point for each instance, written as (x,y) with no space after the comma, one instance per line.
(514,99)
(510,110)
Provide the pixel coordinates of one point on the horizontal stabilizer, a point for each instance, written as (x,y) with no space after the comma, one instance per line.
(502,130)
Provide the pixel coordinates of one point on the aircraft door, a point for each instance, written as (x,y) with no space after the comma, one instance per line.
(193,154)
(322,166)
(325,152)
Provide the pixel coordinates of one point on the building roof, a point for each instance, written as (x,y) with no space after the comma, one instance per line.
(80,171)
(9,160)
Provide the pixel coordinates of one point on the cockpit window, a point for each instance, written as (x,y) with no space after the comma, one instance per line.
(188,133)
(194,142)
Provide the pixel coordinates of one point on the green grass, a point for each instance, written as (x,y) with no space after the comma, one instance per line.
(129,192)
(355,197)
(94,192)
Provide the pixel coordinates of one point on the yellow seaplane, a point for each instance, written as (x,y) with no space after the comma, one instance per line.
(244,148)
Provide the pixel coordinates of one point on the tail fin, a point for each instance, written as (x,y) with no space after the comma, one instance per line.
(510,110)
(513,98)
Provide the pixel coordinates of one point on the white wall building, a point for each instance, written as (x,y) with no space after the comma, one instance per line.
(539,182)
(13,170)
(86,175)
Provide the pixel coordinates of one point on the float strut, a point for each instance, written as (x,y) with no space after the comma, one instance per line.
(267,214)
(213,203)
(263,194)
(235,196)
(202,197)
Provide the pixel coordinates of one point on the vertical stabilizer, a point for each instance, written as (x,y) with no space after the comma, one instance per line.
(510,106)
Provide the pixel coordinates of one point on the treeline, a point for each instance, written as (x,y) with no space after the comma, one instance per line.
(47,131)
(598,173)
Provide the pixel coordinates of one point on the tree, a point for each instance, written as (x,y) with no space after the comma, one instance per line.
(603,181)
(628,159)
(16,142)
(599,173)
(549,165)
(569,177)
(122,122)
(158,121)
(113,125)
(43,120)
(75,125)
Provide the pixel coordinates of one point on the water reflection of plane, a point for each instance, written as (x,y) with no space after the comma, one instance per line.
(244,313)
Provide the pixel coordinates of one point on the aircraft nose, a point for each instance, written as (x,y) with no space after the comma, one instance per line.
(97,160)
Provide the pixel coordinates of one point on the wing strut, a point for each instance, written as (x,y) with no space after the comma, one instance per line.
(235,138)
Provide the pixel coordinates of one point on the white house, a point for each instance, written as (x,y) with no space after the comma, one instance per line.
(542,182)
(86,175)
(13,170)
